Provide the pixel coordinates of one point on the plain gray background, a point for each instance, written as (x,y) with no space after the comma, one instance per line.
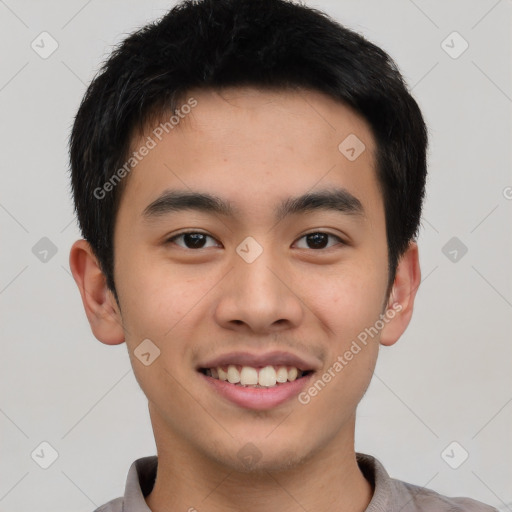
(447,380)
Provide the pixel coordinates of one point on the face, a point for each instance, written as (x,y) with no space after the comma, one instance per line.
(283,265)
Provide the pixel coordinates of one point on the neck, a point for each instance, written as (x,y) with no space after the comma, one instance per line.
(328,480)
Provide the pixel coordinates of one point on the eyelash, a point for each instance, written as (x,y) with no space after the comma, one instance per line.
(174,237)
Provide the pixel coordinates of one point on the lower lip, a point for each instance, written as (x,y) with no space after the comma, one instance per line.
(258,398)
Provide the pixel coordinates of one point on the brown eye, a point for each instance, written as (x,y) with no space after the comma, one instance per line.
(191,240)
(319,240)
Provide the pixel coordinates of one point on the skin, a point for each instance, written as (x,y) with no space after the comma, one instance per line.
(253,148)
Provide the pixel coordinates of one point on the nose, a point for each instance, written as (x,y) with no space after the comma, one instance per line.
(259,297)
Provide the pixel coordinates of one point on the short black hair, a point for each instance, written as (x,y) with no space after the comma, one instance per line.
(213,44)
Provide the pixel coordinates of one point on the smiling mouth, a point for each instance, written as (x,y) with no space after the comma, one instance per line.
(248,376)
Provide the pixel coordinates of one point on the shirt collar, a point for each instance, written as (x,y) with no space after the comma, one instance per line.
(139,483)
(142,474)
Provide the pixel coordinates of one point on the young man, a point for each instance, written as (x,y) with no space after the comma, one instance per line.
(248,177)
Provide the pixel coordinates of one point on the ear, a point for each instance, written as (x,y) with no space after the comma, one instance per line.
(99,302)
(401,299)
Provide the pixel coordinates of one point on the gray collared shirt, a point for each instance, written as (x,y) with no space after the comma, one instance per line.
(390,495)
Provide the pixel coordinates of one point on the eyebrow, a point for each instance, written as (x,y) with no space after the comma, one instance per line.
(333,199)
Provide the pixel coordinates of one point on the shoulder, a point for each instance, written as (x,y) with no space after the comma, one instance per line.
(393,495)
(140,481)
(112,506)
(415,498)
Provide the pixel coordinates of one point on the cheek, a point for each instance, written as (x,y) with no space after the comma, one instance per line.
(351,299)
(155,308)
(164,305)
(349,308)
(153,293)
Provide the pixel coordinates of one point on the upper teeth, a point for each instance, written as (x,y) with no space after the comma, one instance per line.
(249,376)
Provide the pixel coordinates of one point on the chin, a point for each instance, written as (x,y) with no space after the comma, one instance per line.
(254,458)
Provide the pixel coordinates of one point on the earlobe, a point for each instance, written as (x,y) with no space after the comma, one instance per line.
(99,303)
(401,299)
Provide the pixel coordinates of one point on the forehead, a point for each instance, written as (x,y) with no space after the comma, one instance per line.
(256,147)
